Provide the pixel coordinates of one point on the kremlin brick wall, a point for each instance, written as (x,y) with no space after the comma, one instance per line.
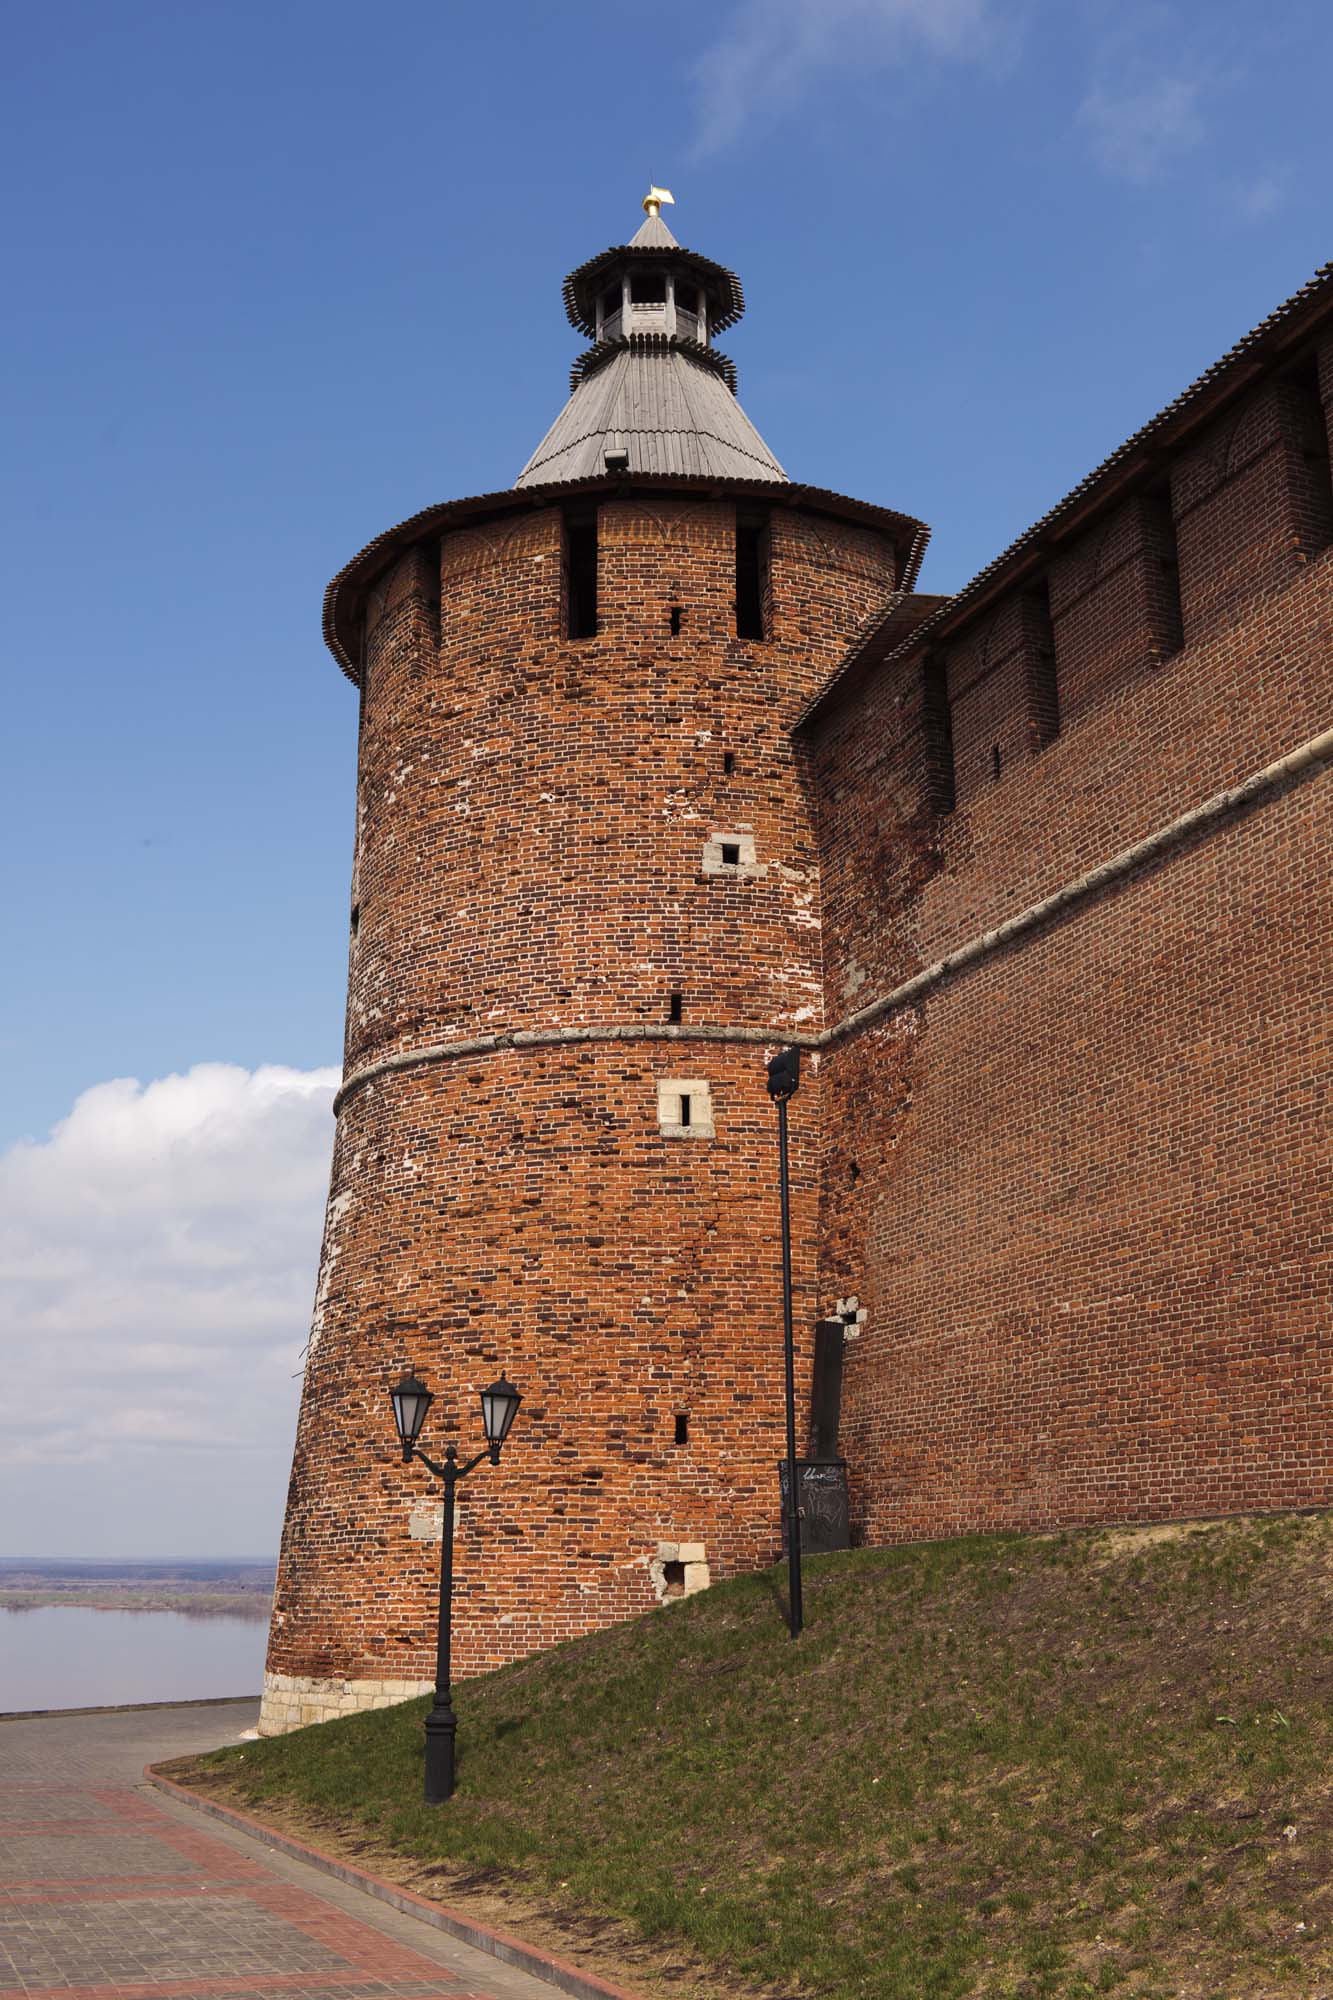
(1080,1186)
(1083,1189)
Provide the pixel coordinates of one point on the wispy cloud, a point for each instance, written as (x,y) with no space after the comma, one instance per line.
(157,1265)
(773,52)
(1157,74)
(1137,125)
(1261,197)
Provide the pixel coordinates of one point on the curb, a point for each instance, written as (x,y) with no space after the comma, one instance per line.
(126,1707)
(557,1972)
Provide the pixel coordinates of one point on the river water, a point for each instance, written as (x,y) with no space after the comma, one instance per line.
(60,1656)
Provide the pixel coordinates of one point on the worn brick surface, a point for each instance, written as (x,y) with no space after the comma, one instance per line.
(532,821)
(1082,1191)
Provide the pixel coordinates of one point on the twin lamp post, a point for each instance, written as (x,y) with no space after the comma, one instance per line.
(499,1406)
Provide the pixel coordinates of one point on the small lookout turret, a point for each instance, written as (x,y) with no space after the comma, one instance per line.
(652,394)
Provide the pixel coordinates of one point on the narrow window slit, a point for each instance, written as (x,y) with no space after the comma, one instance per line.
(684,1108)
(731,854)
(728,762)
(675,1007)
(356,918)
(682,1429)
(751,574)
(580,578)
(995,760)
(676,616)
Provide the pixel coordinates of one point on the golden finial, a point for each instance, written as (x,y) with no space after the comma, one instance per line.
(652,201)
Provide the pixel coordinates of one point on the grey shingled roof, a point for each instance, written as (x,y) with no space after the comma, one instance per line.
(670,412)
(653,234)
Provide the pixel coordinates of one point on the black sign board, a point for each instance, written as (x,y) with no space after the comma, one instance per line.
(823,1504)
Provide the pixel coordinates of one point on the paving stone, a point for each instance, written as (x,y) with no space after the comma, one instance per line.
(110,1892)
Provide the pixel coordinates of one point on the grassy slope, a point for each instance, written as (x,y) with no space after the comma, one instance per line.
(992,1767)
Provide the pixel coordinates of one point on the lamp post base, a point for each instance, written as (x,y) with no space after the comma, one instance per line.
(441,1729)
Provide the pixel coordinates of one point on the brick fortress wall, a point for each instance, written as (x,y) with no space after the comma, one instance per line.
(1084,1187)
(535,819)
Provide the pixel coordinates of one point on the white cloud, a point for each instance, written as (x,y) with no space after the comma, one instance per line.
(774,51)
(1137,125)
(157,1267)
(1261,198)
(1158,73)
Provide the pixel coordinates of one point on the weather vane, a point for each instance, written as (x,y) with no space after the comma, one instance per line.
(654,198)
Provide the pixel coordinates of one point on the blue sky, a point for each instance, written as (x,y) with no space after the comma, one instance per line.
(281,275)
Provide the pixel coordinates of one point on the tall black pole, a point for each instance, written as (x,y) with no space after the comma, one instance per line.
(793,1501)
(442,1723)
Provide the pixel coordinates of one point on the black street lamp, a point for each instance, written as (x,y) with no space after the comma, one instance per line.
(784,1076)
(411,1400)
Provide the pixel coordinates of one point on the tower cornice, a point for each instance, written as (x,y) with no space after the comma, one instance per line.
(345,596)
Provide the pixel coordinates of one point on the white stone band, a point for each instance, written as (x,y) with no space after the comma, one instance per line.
(293,1700)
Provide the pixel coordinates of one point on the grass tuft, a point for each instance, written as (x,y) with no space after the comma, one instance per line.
(992,1769)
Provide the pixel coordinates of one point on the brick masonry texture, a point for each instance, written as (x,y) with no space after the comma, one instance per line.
(1082,1190)
(533,814)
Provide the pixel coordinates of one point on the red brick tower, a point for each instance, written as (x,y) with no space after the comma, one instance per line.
(585,907)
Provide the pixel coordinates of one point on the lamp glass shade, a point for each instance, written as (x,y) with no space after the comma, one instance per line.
(411,1400)
(784,1074)
(499,1405)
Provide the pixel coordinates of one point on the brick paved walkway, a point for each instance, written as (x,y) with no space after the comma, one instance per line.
(109,1891)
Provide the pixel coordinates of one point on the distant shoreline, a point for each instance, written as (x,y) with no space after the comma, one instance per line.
(163,1566)
(217,1604)
(202,1589)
